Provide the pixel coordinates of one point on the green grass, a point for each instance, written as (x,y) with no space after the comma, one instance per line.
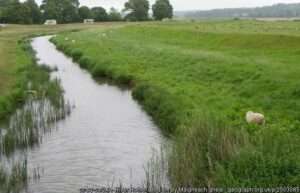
(182,71)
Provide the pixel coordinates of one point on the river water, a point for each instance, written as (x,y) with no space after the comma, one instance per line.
(107,139)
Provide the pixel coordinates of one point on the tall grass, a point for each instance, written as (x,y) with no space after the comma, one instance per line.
(41,105)
(15,180)
(211,154)
(44,105)
(180,70)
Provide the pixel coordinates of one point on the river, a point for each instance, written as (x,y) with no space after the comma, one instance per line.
(107,139)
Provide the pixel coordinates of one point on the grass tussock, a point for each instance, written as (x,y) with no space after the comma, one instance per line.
(179,70)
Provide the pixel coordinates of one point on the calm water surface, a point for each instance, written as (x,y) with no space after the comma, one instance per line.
(107,138)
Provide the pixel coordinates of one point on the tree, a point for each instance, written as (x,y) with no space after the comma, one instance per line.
(162,9)
(114,15)
(99,14)
(4,3)
(35,12)
(16,12)
(70,13)
(138,10)
(84,13)
(64,11)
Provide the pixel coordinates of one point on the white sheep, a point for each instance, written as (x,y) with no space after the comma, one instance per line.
(67,39)
(73,41)
(256,118)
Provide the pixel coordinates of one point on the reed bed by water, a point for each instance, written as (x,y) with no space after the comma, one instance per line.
(44,105)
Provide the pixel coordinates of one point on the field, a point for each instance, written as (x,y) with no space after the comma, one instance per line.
(197,80)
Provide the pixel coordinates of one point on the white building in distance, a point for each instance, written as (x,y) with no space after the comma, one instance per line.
(88,21)
(50,22)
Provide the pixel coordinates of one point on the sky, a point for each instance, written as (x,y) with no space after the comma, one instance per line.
(183,5)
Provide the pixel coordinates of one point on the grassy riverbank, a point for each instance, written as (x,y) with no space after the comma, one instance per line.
(13,58)
(197,81)
(21,80)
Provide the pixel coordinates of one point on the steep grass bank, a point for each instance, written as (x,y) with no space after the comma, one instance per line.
(182,71)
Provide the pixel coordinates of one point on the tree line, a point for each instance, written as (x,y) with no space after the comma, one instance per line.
(278,10)
(70,11)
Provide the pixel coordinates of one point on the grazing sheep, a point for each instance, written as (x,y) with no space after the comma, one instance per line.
(255,118)
(73,41)
(67,39)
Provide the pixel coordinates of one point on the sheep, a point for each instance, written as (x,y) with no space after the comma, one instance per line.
(67,39)
(255,118)
(73,41)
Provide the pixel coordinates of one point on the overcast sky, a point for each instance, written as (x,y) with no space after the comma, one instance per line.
(190,4)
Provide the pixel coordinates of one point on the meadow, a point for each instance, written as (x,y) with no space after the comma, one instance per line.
(197,80)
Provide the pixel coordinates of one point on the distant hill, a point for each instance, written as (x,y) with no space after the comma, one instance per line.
(277,10)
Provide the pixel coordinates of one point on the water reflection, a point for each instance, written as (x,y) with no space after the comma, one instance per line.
(107,138)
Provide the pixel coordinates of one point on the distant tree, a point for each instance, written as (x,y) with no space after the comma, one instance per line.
(35,12)
(70,13)
(138,10)
(99,14)
(84,13)
(162,9)
(16,12)
(64,11)
(277,10)
(2,7)
(4,3)
(114,15)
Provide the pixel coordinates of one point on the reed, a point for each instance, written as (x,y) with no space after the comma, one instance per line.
(43,106)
